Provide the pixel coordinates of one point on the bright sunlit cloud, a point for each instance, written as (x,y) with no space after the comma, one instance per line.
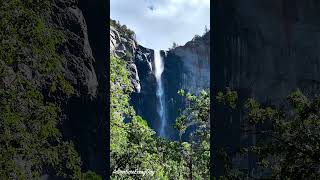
(159,23)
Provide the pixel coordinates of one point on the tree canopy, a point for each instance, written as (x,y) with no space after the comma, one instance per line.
(289,147)
(135,146)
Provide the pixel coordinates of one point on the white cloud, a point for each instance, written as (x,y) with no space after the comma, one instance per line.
(169,21)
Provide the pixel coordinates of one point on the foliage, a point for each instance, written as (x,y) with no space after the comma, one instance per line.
(229,98)
(29,134)
(174,45)
(124,30)
(196,37)
(132,144)
(119,107)
(206,29)
(31,143)
(90,176)
(197,150)
(289,148)
(128,56)
(135,146)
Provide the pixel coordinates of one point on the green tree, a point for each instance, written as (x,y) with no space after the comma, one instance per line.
(31,143)
(289,148)
(206,29)
(196,151)
(134,145)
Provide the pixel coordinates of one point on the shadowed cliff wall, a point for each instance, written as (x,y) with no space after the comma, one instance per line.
(263,49)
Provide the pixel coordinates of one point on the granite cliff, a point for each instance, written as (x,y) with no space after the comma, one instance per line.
(52,83)
(263,49)
(83,22)
(185,67)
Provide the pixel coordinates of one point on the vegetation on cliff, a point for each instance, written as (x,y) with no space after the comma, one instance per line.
(135,146)
(31,143)
(290,148)
(287,139)
(123,29)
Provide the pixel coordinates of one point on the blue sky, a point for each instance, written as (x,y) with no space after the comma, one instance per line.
(159,23)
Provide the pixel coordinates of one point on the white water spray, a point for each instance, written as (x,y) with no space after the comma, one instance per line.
(158,63)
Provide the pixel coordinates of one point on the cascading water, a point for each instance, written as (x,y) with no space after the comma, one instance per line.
(159,67)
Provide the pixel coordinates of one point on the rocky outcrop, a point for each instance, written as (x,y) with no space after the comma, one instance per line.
(79,64)
(145,102)
(125,47)
(263,49)
(85,55)
(140,66)
(120,45)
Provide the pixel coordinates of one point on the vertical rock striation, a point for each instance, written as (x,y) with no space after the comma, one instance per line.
(186,67)
(85,113)
(263,49)
(79,68)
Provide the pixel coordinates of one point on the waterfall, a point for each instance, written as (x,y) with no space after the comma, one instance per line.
(161,108)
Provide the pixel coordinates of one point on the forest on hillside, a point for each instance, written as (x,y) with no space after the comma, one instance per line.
(31,78)
(135,146)
(288,148)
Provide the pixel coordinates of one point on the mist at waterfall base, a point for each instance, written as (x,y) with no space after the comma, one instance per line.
(161,107)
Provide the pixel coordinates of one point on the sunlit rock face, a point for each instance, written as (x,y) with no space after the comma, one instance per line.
(195,59)
(125,47)
(186,67)
(263,49)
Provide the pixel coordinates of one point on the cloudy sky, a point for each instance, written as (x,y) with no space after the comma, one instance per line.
(159,23)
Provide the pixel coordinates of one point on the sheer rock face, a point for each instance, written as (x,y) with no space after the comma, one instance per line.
(186,67)
(263,49)
(84,113)
(195,59)
(79,67)
(269,47)
(140,67)
(145,101)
